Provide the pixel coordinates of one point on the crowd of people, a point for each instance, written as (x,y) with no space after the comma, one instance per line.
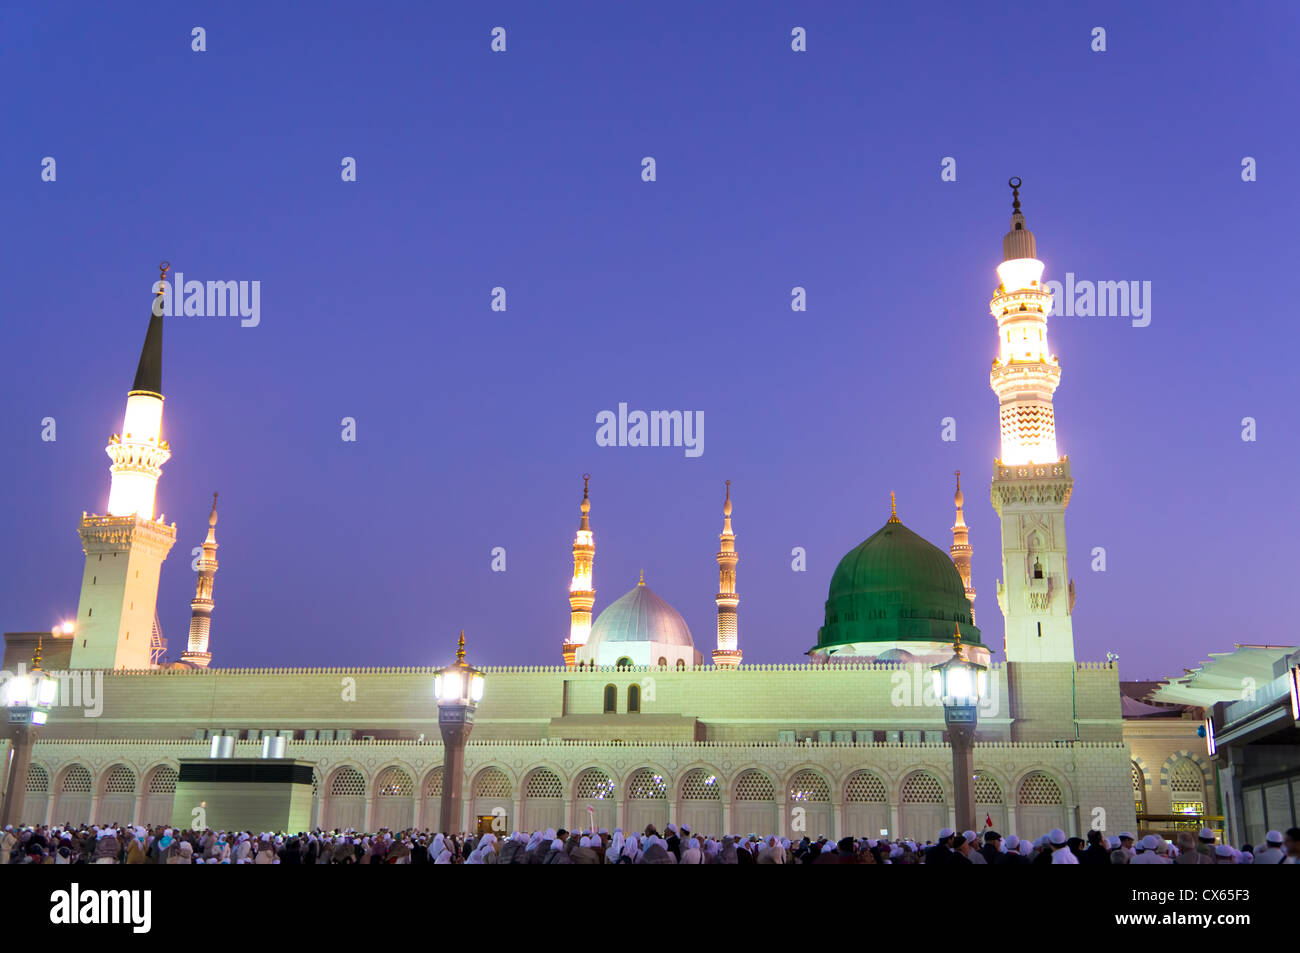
(113,844)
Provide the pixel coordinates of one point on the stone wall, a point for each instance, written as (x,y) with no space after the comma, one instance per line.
(754,703)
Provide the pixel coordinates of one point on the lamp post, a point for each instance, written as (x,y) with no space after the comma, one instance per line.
(28,696)
(458,688)
(961,683)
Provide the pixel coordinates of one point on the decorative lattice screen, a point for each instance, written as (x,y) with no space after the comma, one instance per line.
(1039,789)
(38,780)
(76,780)
(492,783)
(1139,784)
(543,784)
(987,790)
(865,786)
(120,780)
(922,789)
(394,782)
(645,785)
(595,784)
(348,782)
(1185,778)
(809,786)
(163,781)
(754,786)
(433,783)
(699,785)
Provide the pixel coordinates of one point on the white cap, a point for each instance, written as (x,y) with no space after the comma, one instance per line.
(970,836)
(1223,850)
(1057,836)
(1012,843)
(1274,838)
(1125,835)
(946,832)
(1206,834)
(1150,842)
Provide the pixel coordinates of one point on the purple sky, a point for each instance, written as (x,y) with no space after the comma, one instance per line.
(522,169)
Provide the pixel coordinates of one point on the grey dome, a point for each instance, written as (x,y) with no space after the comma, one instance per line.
(640,616)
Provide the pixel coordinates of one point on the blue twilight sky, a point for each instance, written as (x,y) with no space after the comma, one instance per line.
(522,170)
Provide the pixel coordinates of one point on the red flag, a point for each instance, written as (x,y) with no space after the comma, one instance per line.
(988,820)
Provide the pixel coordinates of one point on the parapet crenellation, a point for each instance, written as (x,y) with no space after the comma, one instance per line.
(431,670)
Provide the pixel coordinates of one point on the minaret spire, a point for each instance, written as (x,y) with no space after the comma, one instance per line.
(139,452)
(960,551)
(727,654)
(148,373)
(582,596)
(1031,478)
(201,605)
(1025,373)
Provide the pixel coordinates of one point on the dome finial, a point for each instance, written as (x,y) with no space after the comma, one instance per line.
(726,503)
(1019,241)
(641,581)
(893,509)
(956,638)
(585,506)
(212,517)
(460,648)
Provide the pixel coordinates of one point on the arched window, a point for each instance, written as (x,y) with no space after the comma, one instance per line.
(663,662)
(1139,789)
(633,698)
(611,699)
(1186,787)
(625,662)
(681,664)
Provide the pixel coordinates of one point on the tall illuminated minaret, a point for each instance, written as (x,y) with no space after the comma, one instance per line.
(581,594)
(201,605)
(960,550)
(1031,481)
(727,654)
(126,547)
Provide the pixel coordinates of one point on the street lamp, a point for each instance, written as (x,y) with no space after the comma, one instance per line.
(458,689)
(28,696)
(961,684)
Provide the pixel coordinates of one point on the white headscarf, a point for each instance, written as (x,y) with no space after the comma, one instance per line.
(615,849)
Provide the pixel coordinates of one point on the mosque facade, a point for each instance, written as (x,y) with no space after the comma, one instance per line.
(635,725)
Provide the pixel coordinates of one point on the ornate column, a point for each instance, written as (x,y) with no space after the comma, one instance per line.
(24,736)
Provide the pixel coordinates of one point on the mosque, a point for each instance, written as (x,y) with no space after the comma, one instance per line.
(636,726)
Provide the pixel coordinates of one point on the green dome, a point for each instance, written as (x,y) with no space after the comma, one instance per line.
(896,587)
